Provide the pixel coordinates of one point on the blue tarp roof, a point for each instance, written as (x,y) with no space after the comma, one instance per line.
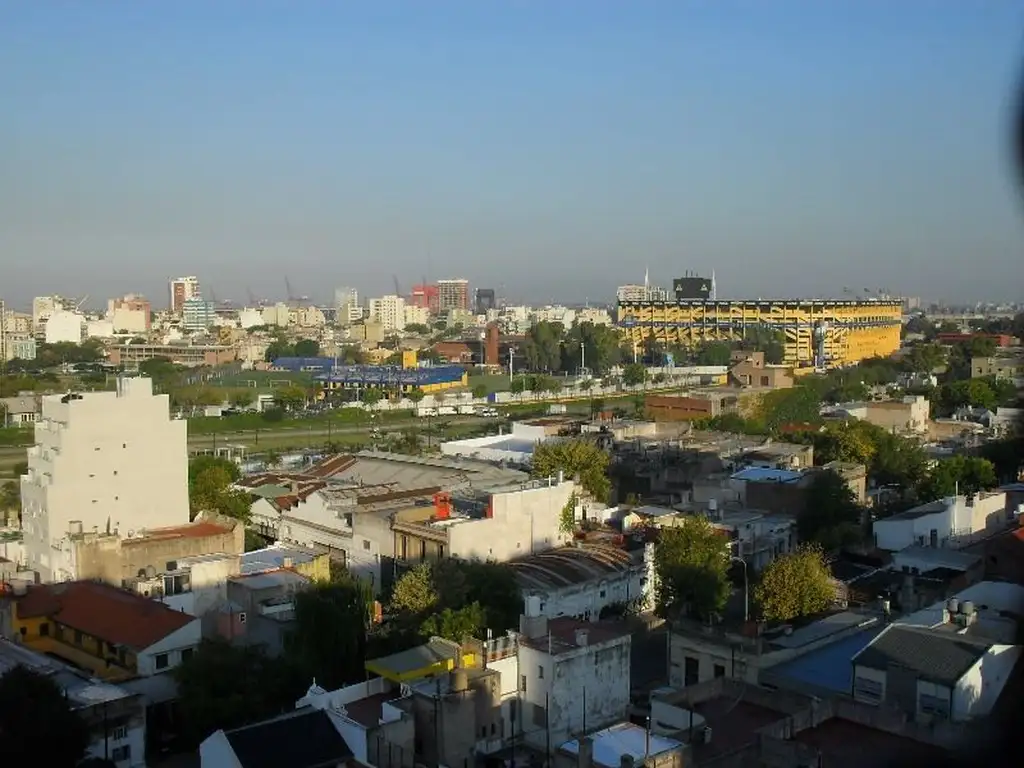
(829,667)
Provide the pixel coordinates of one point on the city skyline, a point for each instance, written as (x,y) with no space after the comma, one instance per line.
(546,154)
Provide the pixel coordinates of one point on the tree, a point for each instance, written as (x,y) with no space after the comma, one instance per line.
(591,345)
(798,405)
(37,726)
(277,349)
(926,358)
(713,353)
(517,386)
(414,593)
(10,496)
(830,516)
(794,585)
(416,394)
(306,348)
(329,639)
(977,393)
(371,396)
(691,562)
(542,347)
(957,475)
(480,391)
(575,458)
(634,374)
(290,397)
(457,624)
(210,488)
(242,398)
(227,686)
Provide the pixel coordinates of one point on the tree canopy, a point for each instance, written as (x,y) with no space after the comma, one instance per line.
(692,563)
(210,481)
(37,726)
(957,474)
(794,585)
(456,599)
(576,458)
(830,516)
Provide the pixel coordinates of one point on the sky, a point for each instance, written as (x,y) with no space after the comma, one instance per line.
(550,149)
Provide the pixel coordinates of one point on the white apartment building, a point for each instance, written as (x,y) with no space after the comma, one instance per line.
(554,314)
(43,307)
(102,461)
(346,301)
(416,315)
(389,311)
(64,326)
(952,522)
(277,315)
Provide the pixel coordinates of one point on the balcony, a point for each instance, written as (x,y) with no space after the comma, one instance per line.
(421,531)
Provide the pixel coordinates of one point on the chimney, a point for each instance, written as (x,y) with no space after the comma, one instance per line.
(442,506)
(586,752)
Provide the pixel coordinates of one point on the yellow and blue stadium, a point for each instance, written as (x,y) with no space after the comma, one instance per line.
(394,378)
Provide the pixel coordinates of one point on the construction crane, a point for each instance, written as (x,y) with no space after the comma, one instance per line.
(291,294)
(398,291)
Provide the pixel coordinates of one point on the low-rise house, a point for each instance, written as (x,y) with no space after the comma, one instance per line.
(115,716)
(750,370)
(909,414)
(315,566)
(585,581)
(952,522)
(113,633)
(260,609)
(19,411)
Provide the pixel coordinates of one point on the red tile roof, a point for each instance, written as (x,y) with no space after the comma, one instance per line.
(199,530)
(104,612)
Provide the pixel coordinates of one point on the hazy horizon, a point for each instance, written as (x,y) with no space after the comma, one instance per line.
(549,151)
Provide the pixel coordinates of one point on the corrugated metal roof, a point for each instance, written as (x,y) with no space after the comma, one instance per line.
(941,657)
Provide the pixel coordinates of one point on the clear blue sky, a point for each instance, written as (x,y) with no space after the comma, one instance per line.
(550,147)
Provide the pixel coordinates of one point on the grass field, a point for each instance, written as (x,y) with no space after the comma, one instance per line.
(262,380)
(494,382)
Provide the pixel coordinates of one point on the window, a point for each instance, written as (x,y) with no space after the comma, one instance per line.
(120,754)
(161,661)
(121,732)
(866,689)
(115,472)
(366,543)
(186,654)
(44,630)
(602,593)
(540,672)
(691,671)
(934,705)
(522,683)
(719,670)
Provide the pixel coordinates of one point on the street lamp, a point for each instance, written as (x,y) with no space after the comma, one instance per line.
(746,585)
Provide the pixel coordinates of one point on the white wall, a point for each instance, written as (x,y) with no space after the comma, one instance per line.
(524,522)
(216,752)
(574,681)
(955,524)
(128,320)
(65,327)
(978,690)
(134,739)
(186,638)
(112,458)
(586,600)
(874,675)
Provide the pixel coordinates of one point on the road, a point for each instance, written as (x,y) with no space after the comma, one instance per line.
(270,436)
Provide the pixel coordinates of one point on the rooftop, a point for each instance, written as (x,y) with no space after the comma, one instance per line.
(270,579)
(200,529)
(565,635)
(81,690)
(764,474)
(305,738)
(273,558)
(621,740)
(845,744)
(569,566)
(942,657)
(938,557)
(734,723)
(827,668)
(413,659)
(104,612)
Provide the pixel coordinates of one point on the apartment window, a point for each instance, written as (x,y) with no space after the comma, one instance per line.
(186,654)
(176,585)
(121,754)
(161,661)
(540,672)
(423,550)
(691,671)
(522,683)
(121,732)
(866,689)
(124,445)
(366,543)
(719,670)
(934,705)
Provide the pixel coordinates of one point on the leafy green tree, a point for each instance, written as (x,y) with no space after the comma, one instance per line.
(415,394)
(242,398)
(417,328)
(329,639)
(290,397)
(830,516)
(457,624)
(480,391)
(658,378)
(926,358)
(542,347)
(794,585)
(713,353)
(575,458)
(968,392)
(37,726)
(307,348)
(634,374)
(691,562)
(595,346)
(414,593)
(772,343)
(371,396)
(797,405)
(226,686)
(957,474)
(277,349)
(210,488)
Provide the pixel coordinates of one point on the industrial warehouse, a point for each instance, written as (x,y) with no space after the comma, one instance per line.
(819,333)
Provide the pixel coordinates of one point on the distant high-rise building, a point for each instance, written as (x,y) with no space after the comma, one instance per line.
(197,314)
(485,300)
(452,294)
(346,302)
(182,289)
(389,311)
(425,296)
(131,314)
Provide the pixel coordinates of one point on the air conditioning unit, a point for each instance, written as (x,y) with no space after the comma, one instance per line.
(241,617)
